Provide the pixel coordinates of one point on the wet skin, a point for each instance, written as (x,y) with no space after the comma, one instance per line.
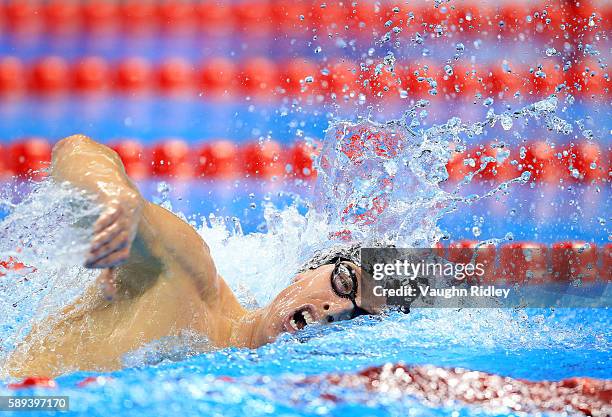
(157,278)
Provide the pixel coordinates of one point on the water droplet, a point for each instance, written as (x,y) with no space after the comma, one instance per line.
(551,52)
(448,70)
(506,121)
(525,176)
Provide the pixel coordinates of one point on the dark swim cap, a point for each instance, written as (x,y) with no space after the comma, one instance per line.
(351,253)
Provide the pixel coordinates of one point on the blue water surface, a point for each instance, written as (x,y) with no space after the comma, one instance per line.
(537,344)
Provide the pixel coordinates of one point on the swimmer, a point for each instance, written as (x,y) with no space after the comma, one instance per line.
(157,278)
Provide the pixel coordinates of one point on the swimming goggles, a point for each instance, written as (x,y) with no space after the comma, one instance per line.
(344,284)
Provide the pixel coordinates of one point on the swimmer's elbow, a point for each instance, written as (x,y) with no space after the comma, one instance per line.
(81,145)
(78,156)
(70,144)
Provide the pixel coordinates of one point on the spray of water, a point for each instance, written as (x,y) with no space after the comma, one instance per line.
(377,183)
(48,231)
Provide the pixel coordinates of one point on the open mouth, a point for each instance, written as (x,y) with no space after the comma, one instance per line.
(300,318)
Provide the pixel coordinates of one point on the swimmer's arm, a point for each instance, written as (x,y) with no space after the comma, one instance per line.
(179,246)
(160,238)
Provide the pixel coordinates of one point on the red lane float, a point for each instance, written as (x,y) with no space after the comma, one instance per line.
(301,158)
(99,15)
(61,16)
(34,382)
(12,76)
(29,157)
(574,260)
(605,257)
(97,380)
(176,15)
(50,75)
(536,263)
(589,163)
(91,74)
(137,16)
(298,76)
(289,17)
(263,160)
(253,17)
(218,77)
(439,386)
(284,17)
(215,17)
(258,77)
(544,162)
(5,170)
(135,158)
(172,159)
(134,75)
(175,75)
(522,263)
(338,79)
(217,159)
(582,162)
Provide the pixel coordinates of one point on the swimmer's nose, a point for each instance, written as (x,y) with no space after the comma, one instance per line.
(341,316)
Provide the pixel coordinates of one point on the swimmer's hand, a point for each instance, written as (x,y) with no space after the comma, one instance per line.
(115,229)
(97,169)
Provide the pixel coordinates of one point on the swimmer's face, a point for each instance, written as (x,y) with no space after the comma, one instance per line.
(322,295)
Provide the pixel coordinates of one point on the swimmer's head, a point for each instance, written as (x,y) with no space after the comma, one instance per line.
(327,289)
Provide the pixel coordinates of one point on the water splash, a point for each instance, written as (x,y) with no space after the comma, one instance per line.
(169,348)
(48,231)
(377,183)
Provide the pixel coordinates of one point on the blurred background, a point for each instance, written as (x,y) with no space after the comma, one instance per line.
(224,102)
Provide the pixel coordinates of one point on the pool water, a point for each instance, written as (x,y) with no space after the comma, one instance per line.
(531,344)
(169,377)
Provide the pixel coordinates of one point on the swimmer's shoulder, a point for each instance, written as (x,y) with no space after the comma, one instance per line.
(178,246)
